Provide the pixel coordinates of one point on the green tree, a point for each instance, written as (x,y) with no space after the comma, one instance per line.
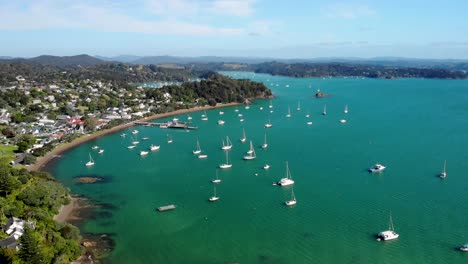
(7,182)
(30,251)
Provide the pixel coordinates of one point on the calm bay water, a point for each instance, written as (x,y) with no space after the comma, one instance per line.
(409,125)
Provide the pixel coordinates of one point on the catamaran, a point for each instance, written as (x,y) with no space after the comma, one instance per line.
(293,199)
(443,174)
(228,144)
(227,164)
(388,234)
(288,179)
(265,144)
(243,138)
(214,197)
(90,162)
(377,168)
(198,150)
(251,153)
(217,180)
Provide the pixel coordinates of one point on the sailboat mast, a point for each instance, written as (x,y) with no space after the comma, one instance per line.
(390,225)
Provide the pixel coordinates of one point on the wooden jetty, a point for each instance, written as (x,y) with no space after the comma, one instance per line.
(166,208)
(170,124)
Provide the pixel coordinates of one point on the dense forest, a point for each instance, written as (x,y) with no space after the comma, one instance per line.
(214,88)
(117,73)
(334,70)
(36,197)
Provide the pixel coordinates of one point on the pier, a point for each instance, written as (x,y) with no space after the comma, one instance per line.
(166,208)
(169,124)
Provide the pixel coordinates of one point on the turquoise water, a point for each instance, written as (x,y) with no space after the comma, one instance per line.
(409,125)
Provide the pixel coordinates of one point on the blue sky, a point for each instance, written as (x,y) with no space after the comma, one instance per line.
(259,28)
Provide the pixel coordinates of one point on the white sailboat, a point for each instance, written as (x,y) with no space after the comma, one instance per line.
(308,114)
(221,122)
(134,132)
(243,138)
(265,144)
(346,109)
(268,125)
(293,199)
(95,147)
(271,104)
(169,139)
(251,153)
(143,153)
(444,173)
(204,117)
(266,166)
(198,150)
(288,179)
(131,147)
(324,110)
(154,147)
(217,180)
(101,151)
(298,106)
(189,118)
(90,162)
(227,164)
(389,234)
(289,112)
(228,144)
(202,156)
(214,197)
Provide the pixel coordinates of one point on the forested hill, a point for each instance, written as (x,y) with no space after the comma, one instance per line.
(112,72)
(215,88)
(370,71)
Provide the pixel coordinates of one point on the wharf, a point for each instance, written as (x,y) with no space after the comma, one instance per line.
(166,208)
(170,124)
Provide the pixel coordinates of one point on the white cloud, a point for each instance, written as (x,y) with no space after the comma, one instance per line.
(233,7)
(347,11)
(40,15)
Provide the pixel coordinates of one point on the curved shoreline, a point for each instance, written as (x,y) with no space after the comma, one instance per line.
(43,161)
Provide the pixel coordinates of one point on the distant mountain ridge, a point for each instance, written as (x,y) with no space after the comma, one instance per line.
(87,60)
(59,61)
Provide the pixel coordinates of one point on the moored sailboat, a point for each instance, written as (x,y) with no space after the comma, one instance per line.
(251,153)
(198,150)
(214,197)
(216,180)
(288,179)
(227,164)
(389,234)
(293,199)
(265,144)
(443,174)
(228,144)
(90,162)
(243,138)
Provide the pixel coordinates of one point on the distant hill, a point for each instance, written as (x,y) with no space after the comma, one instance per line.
(203,59)
(120,58)
(83,60)
(6,58)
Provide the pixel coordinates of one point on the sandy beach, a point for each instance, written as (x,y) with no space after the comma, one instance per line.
(42,161)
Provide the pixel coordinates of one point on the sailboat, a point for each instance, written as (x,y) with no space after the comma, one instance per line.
(266,166)
(293,199)
(227,164)
(198,150)
(189,118)
(346,109)
(101,151)
(388,234)
(134,132)
(169,139)
(143,153)
(217,180)
(228,144)
(443,174)
(221,122)
(214,197)
(271,104)
(268,125)
(204,117)
(308,114)
(298,106)
(324,110)
(251,153)
(288,179)
(153,147)
(289,112)
(265,144)
(90,162)
(243,138)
